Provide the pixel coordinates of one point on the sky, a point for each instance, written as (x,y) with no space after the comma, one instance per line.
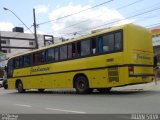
(113,13)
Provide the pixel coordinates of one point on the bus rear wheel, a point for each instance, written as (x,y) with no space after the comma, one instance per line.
(82,85)
(20,87)
(104,90)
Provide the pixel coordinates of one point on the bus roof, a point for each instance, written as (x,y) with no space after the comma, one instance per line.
(95,33)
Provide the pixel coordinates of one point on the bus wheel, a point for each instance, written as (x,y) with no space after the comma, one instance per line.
(41,90)
(5,86)
(82,85)
(20,87)
(104,90)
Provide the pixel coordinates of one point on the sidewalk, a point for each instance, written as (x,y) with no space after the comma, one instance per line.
(141,87)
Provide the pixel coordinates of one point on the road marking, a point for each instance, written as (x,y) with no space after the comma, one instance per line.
(62,110)
(22,105)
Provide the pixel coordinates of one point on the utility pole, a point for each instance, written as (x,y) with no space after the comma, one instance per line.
(35,28)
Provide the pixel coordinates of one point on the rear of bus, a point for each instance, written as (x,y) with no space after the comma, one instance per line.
(138,54)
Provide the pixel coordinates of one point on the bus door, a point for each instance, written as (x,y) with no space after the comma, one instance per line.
(10,68)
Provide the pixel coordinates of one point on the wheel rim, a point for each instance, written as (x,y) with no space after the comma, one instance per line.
(20,87)
(81,85)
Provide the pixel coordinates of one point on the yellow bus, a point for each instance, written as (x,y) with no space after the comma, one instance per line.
(117,56)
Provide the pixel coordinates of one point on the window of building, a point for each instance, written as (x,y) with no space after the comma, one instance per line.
(56,53)
(85,47)
(63,52)
(3,42)
(4,51)
(31,43)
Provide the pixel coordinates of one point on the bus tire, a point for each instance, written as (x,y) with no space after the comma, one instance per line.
(104,90)
(5,86)
(41,90)
(82,85)
(20,87)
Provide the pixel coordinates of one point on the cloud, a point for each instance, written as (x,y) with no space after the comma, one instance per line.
(83,21)
(42,9)
(6,26)
(91,1)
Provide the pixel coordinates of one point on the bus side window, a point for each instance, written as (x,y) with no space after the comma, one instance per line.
(108,43)
(118,41)
(78,48)
(69,51)
(56,53)
(16,60)
(93,47)
(21,61)
(63,52)
(27,60)
(100,45)
(73,50)
(85,47)
(46,56)
(42,56)
(51,54)
(35,58)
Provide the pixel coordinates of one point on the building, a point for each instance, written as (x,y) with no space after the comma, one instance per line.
(156,40)
(156,44)
(17,41)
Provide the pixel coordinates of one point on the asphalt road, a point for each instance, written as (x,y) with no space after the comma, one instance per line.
(118,101)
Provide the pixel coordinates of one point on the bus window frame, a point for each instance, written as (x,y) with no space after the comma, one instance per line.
(90,54)
(30,60)
(60,52)
(53,60)
(57,47)
(76,56)
(112,32)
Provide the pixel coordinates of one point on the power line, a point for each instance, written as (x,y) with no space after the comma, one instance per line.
(129,4)
(132,16)
(76,12)
(123,19)
(122,7)
(152,25)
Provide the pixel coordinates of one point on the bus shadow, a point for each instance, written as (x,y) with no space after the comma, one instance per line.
(95,93)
